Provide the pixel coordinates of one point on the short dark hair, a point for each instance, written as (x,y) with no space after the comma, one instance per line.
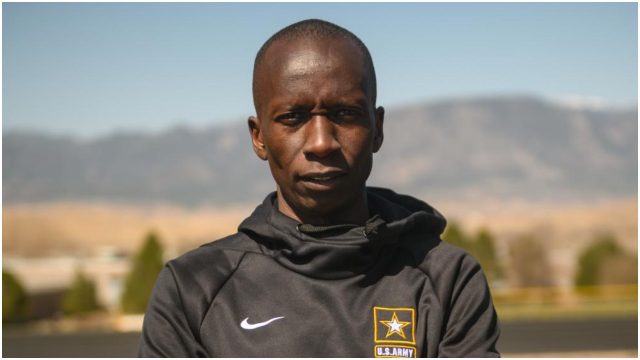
(314,29)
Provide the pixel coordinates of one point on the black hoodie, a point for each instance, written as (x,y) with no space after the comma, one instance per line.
(278,288)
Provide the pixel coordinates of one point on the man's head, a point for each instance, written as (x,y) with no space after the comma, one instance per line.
(317,123)
(311,30)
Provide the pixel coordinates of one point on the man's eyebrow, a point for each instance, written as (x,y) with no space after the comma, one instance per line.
(361,101)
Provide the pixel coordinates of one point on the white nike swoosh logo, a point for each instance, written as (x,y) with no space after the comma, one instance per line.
(245,325)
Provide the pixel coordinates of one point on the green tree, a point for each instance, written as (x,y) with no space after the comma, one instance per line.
(592,259)
(485,252)
(80,298)
(140,281)
(15,303)
(454,235)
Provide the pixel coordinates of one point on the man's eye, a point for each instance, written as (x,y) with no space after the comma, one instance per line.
(292,118)
(347,114)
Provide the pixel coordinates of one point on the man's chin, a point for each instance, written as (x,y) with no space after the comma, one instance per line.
(326,205)
(320,207)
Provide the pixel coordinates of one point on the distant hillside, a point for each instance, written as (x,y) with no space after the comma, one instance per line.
(516,147)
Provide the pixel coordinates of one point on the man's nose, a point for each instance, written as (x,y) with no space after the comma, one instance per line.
(321,136)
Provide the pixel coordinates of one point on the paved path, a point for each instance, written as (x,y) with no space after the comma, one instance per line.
(530,337)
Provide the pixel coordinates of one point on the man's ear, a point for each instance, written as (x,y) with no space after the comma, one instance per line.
(256,137)
(379,133)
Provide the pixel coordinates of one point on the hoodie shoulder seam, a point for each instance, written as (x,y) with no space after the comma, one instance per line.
(213,297)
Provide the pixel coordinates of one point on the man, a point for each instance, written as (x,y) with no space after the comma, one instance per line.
(325,266)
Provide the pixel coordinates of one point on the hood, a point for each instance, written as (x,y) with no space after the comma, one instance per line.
(342,251)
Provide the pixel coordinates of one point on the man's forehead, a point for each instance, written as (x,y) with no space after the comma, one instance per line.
(303,63)
(299,57)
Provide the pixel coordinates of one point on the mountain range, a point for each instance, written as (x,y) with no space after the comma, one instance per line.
(517,147)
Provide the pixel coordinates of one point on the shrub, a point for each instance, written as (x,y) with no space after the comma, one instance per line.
(454,235)
(144,272)
(485,252)
(482,247)
(80,298)
(15,303)
(592,261)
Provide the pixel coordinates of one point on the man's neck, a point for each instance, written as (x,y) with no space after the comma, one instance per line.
(355,213)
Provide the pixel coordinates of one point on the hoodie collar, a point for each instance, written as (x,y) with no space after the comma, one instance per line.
(341,251)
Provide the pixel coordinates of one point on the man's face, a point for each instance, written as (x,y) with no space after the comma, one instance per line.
(317,124)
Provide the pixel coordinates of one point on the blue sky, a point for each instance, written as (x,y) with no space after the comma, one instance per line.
(92,69)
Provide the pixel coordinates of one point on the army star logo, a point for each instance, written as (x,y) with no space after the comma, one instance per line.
(394,326)
(394,332)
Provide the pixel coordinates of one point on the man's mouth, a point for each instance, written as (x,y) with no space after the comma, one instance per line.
(323,178)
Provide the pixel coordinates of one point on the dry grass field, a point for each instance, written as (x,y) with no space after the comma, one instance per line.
(85,228)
